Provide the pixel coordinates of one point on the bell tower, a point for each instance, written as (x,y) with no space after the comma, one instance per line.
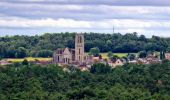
(79,48)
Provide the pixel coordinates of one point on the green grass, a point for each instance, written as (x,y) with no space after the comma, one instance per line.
(104,55)
(29,59)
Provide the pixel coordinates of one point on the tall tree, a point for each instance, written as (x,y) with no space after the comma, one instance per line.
(95,51)
(21,52)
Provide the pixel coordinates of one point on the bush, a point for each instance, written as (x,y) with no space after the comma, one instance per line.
(100,68)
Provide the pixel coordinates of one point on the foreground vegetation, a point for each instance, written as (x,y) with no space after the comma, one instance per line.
(129,82)
(43,46)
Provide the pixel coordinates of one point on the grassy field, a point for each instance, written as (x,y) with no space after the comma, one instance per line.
(29,59)
(104,55)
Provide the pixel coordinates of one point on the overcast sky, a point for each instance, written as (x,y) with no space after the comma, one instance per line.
(30,17)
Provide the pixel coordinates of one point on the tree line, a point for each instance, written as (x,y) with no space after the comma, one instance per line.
(51,82)
(44,45)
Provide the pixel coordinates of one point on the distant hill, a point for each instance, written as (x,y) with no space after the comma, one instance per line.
(44,45)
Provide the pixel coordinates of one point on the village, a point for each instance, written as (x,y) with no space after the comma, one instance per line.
(78,58)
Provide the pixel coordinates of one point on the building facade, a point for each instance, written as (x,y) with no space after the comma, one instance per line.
(69,56)
(167,56)
(79,48)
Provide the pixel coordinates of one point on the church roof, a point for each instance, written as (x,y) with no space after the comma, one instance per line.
(61,50)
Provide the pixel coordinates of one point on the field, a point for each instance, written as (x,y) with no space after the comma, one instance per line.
(104,55)
(29,59)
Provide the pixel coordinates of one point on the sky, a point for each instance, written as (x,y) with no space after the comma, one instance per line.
(31,17)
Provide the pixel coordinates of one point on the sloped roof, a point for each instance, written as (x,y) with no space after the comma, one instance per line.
(61,50)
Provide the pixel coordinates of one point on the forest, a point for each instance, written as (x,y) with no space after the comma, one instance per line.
(44,45)
(101,82)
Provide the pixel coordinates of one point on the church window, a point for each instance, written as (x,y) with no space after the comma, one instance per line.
(58,58)
(79,51)
(80,39)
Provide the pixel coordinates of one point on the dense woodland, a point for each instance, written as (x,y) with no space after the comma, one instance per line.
(129,82)
(44,45)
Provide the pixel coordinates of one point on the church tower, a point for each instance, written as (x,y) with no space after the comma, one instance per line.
(79,48)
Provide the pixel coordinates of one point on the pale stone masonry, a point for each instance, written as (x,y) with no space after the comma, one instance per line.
(64,55)
(167,56)
(69,56)
(79,48)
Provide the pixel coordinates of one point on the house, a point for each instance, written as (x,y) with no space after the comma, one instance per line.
(96,59)
(167,56)
(133,61)
(117,62)
(4,62)
(42,62)
(152,59)
(84,68)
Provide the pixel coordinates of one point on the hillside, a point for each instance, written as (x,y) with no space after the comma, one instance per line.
(43,46)
(50,82)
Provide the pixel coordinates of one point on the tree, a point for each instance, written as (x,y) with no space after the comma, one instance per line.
(162,55)
(51,82)
(95,51)
(168,49)
(100,68)
(109,54)
(114,58)
(131,56)
(25,62)
(109,44)
(45,53)
(142,54)
(142,38)
(21,52)
(150,52)
(117,43)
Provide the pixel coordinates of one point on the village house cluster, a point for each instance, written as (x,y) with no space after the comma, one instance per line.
(78,58)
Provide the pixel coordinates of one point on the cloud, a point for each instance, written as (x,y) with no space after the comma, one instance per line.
(70,23)
(84,12)
(27,23)
(34,16)
(98,2)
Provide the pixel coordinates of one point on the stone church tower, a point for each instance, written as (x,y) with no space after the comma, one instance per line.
(79,48)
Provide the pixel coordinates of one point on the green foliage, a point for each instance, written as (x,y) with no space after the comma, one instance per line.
(114,58)
(21,52)
(95,51)
(131,56)
(25,62)
(45,53)
(41,53)
(116,43)
(110,54)
(162,55)
(100,68)
(51,82)
(142,54)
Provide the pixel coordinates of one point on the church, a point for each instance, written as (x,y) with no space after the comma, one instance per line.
(71,56)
